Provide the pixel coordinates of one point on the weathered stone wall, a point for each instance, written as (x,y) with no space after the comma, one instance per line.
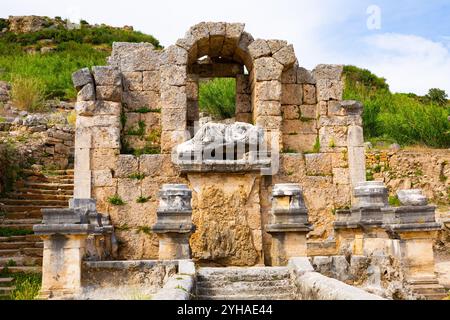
(426,169)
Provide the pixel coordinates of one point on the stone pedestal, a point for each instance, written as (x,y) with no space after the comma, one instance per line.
(416,227)
(360,229)
(289,224)
(64,232)
(174,225)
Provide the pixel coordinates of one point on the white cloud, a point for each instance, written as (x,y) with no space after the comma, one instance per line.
(409,62)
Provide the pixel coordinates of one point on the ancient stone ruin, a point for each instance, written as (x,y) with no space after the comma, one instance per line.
(159,198)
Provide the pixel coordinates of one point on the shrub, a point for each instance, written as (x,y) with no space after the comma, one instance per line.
(218,97)
(27,286)
(27,94)
(116,200)
(72,118)
(394,201)
(137,176)
(142,199)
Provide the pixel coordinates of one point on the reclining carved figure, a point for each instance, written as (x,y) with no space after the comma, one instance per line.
(222,141)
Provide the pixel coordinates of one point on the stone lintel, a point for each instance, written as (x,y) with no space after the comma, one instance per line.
(62,229)
(173,228)
(416,227)
(283,228)
(223,166)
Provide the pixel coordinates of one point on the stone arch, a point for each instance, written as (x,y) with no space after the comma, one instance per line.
(224,43)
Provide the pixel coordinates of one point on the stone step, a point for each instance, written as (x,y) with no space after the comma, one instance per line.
(19,226)
(31,196)
(20,261)
(9,252)
(8,222)
(32,252)
(6,290)
(237,297)
(60,179)
(50,172)
(18,245)
(49,186)
(34,202)
(247,288)
(6,282)
(18,208)
(243,274)
(211,284)
(27,238)
(25,269)
(34,214)
(44,192)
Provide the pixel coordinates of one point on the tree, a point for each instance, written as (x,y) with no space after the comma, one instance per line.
(437,96)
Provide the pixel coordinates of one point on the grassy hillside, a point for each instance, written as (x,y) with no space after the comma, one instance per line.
(68,51)
(403,118)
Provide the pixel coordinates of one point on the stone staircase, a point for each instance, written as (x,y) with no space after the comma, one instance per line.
(21,209)
(258,283)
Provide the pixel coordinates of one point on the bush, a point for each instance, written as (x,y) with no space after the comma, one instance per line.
(403,118)
(218,97)
(27,94)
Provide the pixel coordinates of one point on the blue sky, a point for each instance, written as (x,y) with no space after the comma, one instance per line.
(411,49)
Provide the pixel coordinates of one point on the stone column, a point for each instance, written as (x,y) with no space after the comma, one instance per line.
(289,224)
(415,225)
(360,229)
(174,225)
(64,232)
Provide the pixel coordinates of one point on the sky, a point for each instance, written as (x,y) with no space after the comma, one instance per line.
(405,41)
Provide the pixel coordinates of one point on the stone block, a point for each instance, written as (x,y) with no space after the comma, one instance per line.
(173,75)
(269,122)
(292,94)
(135,100)
(357,164)
(267,108)
(286,56)
(150,80)
(318,164)
(132,81)
(332,137)
(244,117)
(305,77)
(340,159)
(132,121)
(243,103)
(268,91)
(329,90)
(192,90)
(150,164)
(233,34)
(299,126)
(102,178)
(174,55)
(126,166)
(107,76)
(173,97)
(129,190)
(87,93)
(135,56)
(322,107)
(259,48)
(289,76)
(173,119)
(412,197)
(276,45)
(309,94)
(106,137)
(243,84)
(267,69)
(81,78)
(299,142)
(104,159)
(309,111)
(107,108)
(152,122)
(170,139)
(341,176)
(291,112)
(108,93)
(328,71)
(85,108)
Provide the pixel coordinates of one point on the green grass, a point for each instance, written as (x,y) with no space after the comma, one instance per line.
(27,285)
(142,199)
(137,176)
(394,201)
(9,232)
(138,131)
(74,49)
(116,200)
(404,118)
(218,97)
